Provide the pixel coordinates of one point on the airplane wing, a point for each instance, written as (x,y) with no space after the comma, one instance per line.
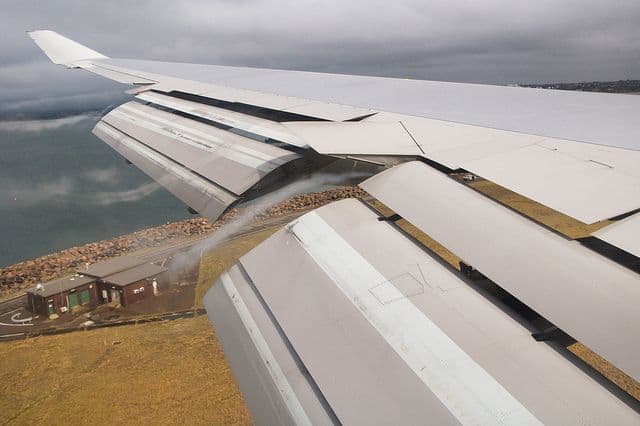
(344,316)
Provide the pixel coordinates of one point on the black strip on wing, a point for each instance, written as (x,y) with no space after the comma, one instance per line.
(253,110)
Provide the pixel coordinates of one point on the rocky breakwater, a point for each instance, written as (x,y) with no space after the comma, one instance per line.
(313,200)
(18,277)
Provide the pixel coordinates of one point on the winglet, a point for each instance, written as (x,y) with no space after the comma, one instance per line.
(61,50)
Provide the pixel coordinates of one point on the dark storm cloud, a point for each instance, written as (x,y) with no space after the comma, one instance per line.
(487,41)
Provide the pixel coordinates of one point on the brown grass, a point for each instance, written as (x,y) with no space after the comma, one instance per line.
(158,373)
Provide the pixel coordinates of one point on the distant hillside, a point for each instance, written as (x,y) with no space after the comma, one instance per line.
(621,86)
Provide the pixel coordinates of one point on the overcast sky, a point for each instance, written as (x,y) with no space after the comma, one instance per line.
(486,41)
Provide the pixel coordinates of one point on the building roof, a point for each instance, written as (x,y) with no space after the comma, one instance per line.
(61,284)
(111,266)
(137,273)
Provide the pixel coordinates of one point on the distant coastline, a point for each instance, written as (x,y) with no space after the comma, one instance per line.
(619,86)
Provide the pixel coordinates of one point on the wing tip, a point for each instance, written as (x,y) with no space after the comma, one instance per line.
(62,50)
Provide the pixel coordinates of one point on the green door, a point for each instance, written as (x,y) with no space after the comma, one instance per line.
(73,300)
(84,296)
(51,307)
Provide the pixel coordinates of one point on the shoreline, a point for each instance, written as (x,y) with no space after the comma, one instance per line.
(18,277)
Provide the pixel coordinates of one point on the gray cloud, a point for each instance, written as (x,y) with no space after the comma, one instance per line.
(68,189)
(109,175)
(28,195)
(108,198)
(491,41)
(40,125)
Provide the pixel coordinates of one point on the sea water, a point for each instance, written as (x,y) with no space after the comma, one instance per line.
(60,186)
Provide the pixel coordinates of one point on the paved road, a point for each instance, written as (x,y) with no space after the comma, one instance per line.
(13,313)
(13,303)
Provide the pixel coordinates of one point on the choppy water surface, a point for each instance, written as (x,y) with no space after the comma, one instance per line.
(60,186)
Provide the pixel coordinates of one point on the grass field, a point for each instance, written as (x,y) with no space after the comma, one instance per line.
(155,373)
(159,373)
